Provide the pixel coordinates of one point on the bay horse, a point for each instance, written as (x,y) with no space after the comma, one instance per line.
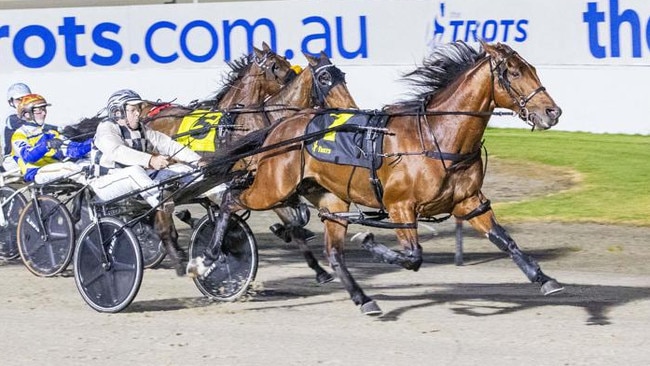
(431,154)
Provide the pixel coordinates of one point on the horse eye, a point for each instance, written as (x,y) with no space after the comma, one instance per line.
(515,73)
(325,78)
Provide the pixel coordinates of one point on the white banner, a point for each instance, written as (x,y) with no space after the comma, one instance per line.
(593,56)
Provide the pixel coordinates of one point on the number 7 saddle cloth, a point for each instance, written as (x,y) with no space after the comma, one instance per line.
(356,145)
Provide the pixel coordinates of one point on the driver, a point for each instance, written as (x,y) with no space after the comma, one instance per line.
(39,152)
(128,156)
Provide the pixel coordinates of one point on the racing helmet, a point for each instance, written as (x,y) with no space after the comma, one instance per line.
(17,91)
(116,106)
(28,103)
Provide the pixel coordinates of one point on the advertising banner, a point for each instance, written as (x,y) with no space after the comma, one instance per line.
(591,55)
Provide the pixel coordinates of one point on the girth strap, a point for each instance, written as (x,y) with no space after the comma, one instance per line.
(454,158)
(480,210)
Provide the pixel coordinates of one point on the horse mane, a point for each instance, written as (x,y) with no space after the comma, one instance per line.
(439,70)
(238,68)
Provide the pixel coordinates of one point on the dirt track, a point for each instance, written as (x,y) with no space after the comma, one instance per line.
(484,312)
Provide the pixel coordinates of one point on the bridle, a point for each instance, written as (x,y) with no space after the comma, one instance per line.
(501,70)
(271,70)
(326,77)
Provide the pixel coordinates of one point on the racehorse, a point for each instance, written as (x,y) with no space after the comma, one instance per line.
(430,158)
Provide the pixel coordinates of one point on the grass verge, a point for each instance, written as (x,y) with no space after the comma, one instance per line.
(615,168)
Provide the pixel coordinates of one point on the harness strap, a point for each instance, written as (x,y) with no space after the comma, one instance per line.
(454,158)
(371,137)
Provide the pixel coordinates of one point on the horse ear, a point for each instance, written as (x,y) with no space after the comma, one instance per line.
(311,59)
(323,56)
(489,49)
(265,47)
(258,53)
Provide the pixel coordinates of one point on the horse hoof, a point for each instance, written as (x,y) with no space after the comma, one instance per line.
(196,267)
(323,278)
(371,308)
(550,287)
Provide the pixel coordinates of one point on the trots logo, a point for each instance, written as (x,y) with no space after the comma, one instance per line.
(449,26)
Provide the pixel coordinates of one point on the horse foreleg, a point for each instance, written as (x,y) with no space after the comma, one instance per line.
(334,236)
(486,223)
(292,229)
(202,266)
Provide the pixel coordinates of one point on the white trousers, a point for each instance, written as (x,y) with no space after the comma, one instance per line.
(125,180)
(55,171)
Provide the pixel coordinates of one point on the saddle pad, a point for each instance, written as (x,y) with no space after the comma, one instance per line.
(198,130)
(357,147)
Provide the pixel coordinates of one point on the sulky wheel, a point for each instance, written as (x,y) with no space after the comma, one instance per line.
(12,204)
(230,276)
(45,236)
(108,265)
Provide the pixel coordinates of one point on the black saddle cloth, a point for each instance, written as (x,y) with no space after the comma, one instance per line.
(351,146)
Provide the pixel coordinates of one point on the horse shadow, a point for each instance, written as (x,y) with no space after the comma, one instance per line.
(470,299)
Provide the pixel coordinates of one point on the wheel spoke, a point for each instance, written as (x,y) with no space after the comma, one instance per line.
(90,278)
(92,248)
(121,267)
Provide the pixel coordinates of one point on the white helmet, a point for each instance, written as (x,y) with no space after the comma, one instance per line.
(17,91)
(118,100)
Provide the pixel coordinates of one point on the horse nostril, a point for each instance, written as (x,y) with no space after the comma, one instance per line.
(554,112)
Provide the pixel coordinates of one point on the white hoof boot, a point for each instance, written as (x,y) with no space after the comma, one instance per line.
(196,267)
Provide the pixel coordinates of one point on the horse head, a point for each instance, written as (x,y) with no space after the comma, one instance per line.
(518,87)
(275,69)
(329,89)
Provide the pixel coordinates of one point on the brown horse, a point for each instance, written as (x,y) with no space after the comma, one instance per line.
(431,161)
(251,80)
